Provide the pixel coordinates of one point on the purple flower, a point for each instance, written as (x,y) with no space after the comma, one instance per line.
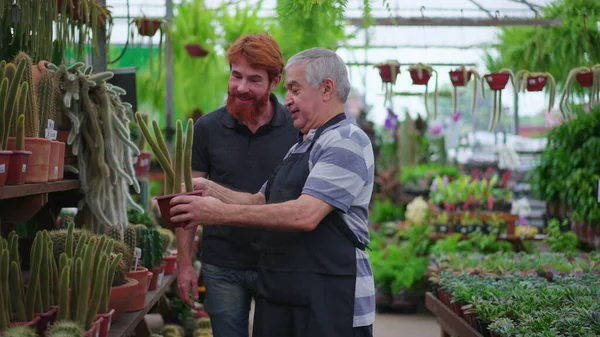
(445,180)
(436,129)
(433,185)
(391,120)
(456,117)
(521,220)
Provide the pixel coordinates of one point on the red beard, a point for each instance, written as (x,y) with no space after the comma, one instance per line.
(246,112)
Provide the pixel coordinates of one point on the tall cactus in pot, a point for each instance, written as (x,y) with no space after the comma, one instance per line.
(10,88)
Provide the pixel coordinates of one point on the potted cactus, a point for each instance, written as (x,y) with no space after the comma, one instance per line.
(169,259)
(173,171)
(460,77)
(142,164)
(388,71)
(152,251)
(525,80)
(587,77)
(420,74)
(497,82)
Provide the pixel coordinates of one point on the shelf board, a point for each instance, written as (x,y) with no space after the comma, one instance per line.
(17,191)
(451,323)
(128,322)
(505,237)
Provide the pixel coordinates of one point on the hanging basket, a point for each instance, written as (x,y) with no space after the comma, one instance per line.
(423,80)
(195,50)
(458,78)
(536,83)
(148,26)
(387,70)
(585,79)
(497,81)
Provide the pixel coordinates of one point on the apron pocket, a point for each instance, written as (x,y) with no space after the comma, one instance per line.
(284,288)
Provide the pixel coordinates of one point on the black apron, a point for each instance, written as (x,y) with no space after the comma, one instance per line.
(306,280)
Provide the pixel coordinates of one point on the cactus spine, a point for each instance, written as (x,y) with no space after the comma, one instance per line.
(65,328)
(20,331)
(159,147)
(32,125)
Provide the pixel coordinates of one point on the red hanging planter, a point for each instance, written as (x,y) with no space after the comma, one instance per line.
(195,50)
(388,71)
(148,26)
(497,81)
(536,83)
(458,77)
(585,79)
(423,80)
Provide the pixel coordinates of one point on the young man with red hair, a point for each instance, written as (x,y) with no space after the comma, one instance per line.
(238,145)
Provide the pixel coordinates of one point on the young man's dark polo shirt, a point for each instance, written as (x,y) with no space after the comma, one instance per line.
(236,158)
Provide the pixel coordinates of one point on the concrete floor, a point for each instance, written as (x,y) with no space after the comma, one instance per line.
(386,325)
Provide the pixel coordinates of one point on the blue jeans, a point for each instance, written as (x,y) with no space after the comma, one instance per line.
(229,293)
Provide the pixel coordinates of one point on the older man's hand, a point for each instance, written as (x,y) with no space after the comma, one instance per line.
(196,210)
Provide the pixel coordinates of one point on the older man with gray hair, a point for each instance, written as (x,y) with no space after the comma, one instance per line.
(314,275)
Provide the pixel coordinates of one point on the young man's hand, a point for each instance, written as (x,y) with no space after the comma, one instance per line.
(186,279)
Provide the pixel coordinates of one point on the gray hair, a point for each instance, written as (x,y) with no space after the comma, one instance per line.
(321,64)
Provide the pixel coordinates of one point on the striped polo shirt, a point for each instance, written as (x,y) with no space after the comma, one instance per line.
(342,171)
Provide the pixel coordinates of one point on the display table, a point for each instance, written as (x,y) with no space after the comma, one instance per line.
(128,323)
(450,322)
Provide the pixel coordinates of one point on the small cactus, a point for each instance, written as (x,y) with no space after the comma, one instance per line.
(20,331)
(32,125)
(65,328)
(130,237)
(20,146)
(46,99)
(203,323)
(114,232)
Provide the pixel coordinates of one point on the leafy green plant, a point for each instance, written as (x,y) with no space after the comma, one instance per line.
(560,242)
(384,211)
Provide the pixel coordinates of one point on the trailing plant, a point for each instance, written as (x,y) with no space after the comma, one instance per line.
(523,76)
(496,112)
(466,75)
(100,139)
(565,99)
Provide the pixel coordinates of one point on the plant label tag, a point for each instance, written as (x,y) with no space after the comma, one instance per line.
(54,134)
(48,134)
(2,168)
(50,124)
(137,253)
(160,278)
(24,169)
(55,169)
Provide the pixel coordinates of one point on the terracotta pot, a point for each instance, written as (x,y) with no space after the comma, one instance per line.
(142,276)
(33,323)
(94,329)
(423,80)
(53,164)
(385,72)
(148,27)
(157,277)
(4,162)
(170,265)
(585,79)
(142,165)
(121,298)
(39,160)
(61,161)
(195,50)
(536,83)
(46,320)
(17,167)
(104,326)
(497,81)
(165,208)
(458,78)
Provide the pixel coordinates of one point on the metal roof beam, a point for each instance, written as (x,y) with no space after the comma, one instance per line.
(368,64)
(458,22)
(418,46)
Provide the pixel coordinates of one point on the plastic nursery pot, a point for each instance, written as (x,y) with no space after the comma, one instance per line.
(17,167)
(94,329)
(148,27)
(142,166)
(536,83)
(53,163)
(4,162)
(170,264)
(585,79)
(195,50)
(385,72)
(458,78)
(33,323)
(164,204)
(121,298)
(104,325)
(141,275)
(46,320)
(423,80)
(497,81)
(37,168)
(61,161)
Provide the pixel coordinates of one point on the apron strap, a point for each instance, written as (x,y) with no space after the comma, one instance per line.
(342,226)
